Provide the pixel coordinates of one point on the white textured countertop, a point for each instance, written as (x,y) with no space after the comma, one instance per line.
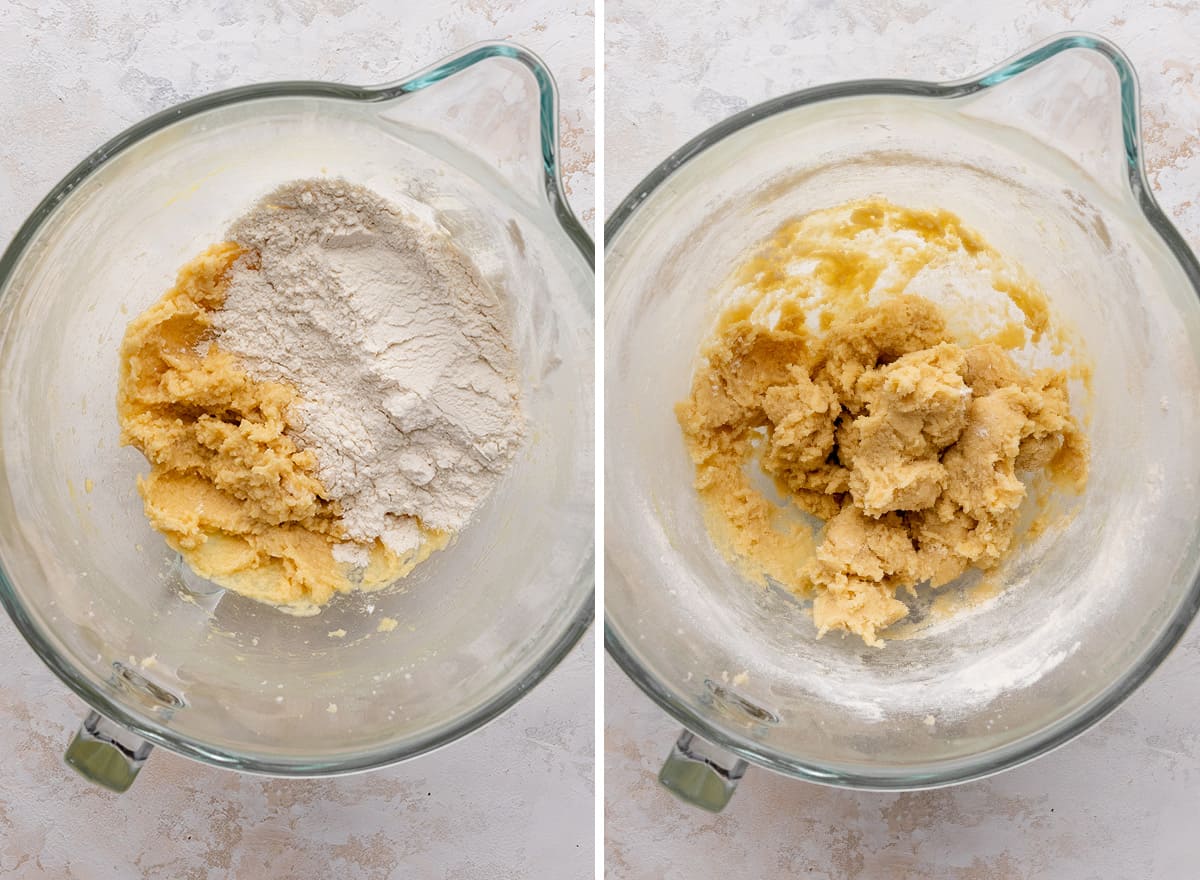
(513,800)
(1122,801)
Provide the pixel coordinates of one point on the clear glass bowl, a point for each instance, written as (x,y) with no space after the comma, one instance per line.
(1041,154)
(471,143)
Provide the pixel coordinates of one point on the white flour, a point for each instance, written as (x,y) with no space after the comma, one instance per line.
(399,349)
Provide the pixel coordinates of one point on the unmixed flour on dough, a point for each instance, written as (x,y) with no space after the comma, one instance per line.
(397,347)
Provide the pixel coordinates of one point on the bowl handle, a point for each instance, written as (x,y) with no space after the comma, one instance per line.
(701,774)
(106,753)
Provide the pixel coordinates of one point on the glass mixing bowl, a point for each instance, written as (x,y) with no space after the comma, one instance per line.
(472,144)
(1042,155)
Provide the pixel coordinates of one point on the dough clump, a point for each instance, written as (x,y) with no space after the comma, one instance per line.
(904,441)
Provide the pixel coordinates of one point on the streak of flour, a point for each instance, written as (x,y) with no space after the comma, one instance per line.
(397,347)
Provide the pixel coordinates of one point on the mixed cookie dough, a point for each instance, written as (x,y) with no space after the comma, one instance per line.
(902,428)
(323,400)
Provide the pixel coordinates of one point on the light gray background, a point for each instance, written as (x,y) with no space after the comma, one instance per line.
(514,800)
(1123,801)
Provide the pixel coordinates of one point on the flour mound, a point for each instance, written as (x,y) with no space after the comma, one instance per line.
(398,348)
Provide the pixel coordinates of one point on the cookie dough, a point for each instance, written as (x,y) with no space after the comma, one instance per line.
(904,439)
(228,488)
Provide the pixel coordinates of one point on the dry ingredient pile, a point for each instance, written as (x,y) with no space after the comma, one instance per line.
(867,367)
(324,399)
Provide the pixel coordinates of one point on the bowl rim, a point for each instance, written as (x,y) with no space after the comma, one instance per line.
(1061,731)
(556,201)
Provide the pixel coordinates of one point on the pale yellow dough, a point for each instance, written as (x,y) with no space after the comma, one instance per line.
(228,487)
(907,443)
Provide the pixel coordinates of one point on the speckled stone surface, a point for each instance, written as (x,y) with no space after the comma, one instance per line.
(513,800)
(1121,801)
